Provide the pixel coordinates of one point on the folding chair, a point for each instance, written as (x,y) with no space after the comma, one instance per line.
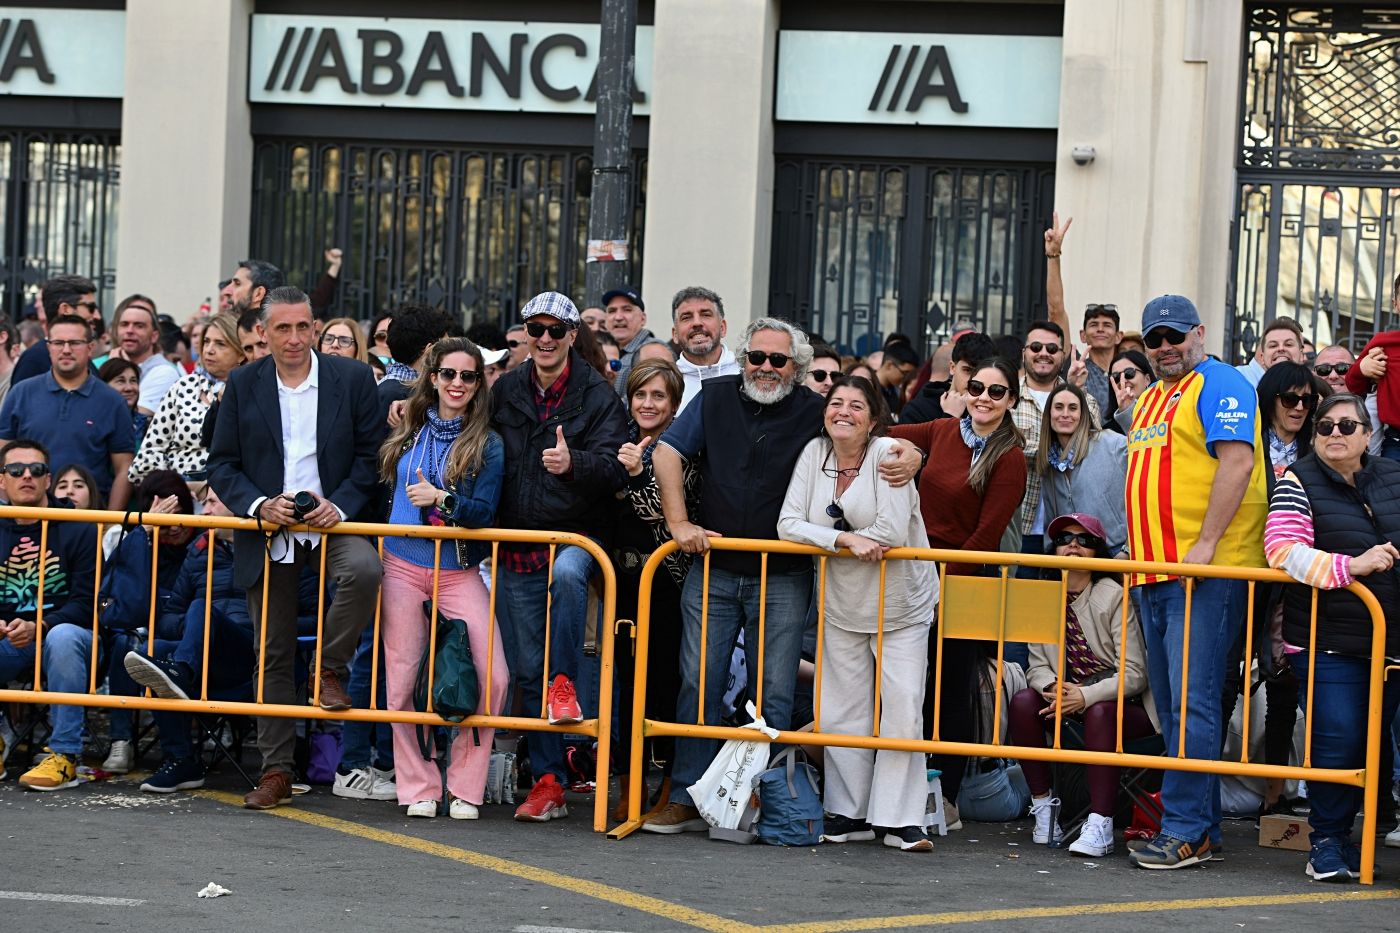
(1136,786)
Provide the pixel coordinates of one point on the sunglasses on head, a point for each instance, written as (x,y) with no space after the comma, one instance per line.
(1081,538)
(557,331)
(450,375)
(995,392)
(1346,426)
(1127,372)
(17,470)
(822,375)
(835,511)
(1327,369)
(758,358)
(1153,339)
(1051,348)
(1295,399)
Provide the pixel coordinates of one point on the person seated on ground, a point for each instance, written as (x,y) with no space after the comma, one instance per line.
(173,670)
(1094,636)
(126,611)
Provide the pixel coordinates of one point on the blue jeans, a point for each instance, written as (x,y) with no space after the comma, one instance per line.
(520,610)
(1190,801)
(356,737)
(734,607)
(15,663)
(232,665)
(1390,449)
(1340,705)
(67,653)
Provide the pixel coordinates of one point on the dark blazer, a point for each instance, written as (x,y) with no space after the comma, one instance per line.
(245,460)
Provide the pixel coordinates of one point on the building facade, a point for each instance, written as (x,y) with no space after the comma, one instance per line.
(857,168)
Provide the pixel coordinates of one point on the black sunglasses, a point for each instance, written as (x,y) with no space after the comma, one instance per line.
(36,470)
(1295,399)
(758,358)
(1153,339)
(835,511)
(1127,372)
(1051,348)
(1327,369)
(1324,428)
(513,343)
(1089,309)
(821,375)
(557,331)
(448,375)
(995,393)
(1082,538)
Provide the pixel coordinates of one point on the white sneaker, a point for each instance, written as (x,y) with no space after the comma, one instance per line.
(1043,810)
(1392,838)
(383,787)
(1095,837)
(461,810)
(358,784)
(426,809)
(119,758)
(951,820)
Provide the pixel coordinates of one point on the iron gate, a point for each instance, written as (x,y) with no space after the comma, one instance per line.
(58,211)
(862,249)
(1317,212)
(475,231)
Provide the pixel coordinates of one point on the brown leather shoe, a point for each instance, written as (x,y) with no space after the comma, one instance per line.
(333,695)
(274,789)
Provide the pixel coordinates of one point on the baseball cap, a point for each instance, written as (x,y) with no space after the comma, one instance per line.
(553,304)
(1172,311)
(492,357)
(626,291)
(1084,519)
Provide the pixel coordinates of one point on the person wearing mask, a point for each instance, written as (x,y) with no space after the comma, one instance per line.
(1334,517)
(1130,373)
(138,339)
(1082,469)
(63,296)
(627,320)
(949,399)
(125,377)
(342,337)
(825,369)
(969,490)
(1095,632)
(698,327)
(836,500)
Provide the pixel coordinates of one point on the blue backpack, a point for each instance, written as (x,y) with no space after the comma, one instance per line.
(789,804)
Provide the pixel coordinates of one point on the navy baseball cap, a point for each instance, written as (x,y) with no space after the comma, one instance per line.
(553,304)
(1172,311)
(626,291)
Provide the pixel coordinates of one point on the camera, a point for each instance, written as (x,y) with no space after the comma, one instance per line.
(303,504)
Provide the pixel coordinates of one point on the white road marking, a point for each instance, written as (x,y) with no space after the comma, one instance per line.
(70,898)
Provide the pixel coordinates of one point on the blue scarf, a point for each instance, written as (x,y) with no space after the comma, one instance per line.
(1281,454)
(1064,463)
(439,435)
(970,438)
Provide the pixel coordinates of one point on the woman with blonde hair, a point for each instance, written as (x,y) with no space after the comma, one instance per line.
(342,337)
(443,465)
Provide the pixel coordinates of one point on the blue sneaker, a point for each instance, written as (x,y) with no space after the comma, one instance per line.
(175,774)
(167,678)
(1327,862)
(1168,852)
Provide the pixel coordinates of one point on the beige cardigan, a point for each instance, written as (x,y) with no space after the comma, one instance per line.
(1099,609)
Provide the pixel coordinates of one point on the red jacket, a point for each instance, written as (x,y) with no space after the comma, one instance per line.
(1388,389)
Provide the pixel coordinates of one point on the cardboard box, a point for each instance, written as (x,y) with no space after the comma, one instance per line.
(1277,831)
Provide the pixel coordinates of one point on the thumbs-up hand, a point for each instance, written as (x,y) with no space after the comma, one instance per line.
(422,493)
(556,459)
(630,456)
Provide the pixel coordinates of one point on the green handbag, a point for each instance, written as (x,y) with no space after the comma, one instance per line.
(455,684)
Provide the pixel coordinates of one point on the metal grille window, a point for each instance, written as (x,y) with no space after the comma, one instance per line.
(862,249)
(58,212)
(476,232)
(1316,210)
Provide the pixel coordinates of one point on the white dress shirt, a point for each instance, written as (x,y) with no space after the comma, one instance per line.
(300,471)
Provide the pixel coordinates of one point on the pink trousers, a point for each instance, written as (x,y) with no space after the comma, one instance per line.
(461,595)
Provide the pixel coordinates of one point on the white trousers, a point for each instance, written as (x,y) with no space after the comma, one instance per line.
(884,788)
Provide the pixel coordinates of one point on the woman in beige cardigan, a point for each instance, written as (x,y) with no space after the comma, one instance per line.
(1089,693)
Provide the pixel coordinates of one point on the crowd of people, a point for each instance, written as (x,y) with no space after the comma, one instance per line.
(1119,444)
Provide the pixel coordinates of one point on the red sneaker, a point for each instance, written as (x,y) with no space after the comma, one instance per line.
(545,803)
(563,702)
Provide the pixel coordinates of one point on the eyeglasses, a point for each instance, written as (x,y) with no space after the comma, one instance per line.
(835,511)
(994,392)
(1327,369)
(1153,339)
(557,331)
(380,336)
(1295,399)
(69,344)
(822,375)
(35,470)
(615,365)
(1082,538)
(1346,426)
(1051,348)
(449,376)
(758,358)
(1127,372)
(335,340)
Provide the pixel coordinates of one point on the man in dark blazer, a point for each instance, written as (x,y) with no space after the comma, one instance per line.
(298,421)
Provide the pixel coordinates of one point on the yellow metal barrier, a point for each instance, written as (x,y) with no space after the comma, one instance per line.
(1001,610)
(598,728)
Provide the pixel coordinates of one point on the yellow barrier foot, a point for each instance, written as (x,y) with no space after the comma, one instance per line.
(623,830)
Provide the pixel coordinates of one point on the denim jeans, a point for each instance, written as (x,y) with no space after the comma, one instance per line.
(520,610)
(357,737)
(1190,801)
(1341,700)
(232,665)
(15,663)
(734,607)
(67,653)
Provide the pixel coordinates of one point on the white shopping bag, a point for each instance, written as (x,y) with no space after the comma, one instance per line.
(723,792)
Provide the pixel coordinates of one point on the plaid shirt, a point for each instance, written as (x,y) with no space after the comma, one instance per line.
(532,558)
(1027,416)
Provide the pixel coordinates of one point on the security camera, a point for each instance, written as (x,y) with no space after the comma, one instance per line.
(1083,155)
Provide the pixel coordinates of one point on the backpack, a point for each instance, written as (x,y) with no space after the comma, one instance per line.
(789,805)
(455,685)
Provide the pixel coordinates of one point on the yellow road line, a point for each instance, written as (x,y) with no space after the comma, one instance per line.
(603,892)
(1074,910)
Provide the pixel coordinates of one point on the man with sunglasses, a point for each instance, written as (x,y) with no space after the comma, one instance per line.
(1332,364)
(62,295)
(69,567)
(562,425)
(518,345)
(1282,341)
(1196,495)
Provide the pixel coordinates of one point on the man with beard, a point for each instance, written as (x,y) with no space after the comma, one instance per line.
(747,431)
(251,282)
(1282,341)
(697,327)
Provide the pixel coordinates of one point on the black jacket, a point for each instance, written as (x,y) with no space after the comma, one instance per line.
(1348,520)
(70,564)
(927,405)
(595,426)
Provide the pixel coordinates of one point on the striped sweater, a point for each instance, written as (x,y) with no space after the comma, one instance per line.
(1288,540)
